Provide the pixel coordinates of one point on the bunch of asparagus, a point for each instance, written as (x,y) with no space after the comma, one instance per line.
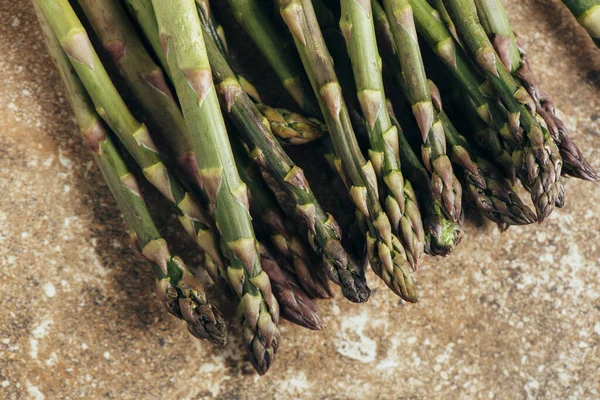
(224,166)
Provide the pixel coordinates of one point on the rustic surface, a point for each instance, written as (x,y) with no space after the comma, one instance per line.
(508,316)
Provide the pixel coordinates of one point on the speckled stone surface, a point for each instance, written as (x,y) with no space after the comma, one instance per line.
(514,315)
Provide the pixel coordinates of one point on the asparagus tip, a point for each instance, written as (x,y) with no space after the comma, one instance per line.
(208,323)
(583,171)
(308,318)
(186,301)
(442,236)
(358,294)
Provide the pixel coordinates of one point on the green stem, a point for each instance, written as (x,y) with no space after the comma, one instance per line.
(406,49)
(441,41)
(271,220)
(441,234)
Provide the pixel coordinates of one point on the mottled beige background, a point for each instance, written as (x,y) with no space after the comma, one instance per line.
(508,316)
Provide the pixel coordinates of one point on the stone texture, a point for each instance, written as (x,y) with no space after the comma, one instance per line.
(514,315)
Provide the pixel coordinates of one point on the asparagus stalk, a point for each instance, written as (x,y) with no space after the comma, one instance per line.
(134,136)
(386,254)
(271,220)
(182,40)
(264,209)
(446,188)
(295,305)
(182,295)
(539,162)
(498,138)
(323,230)
(356,24)
(587,13)
(494,20)
(485,184)
(442,235)
(152,92)
(442,43)
(443,16)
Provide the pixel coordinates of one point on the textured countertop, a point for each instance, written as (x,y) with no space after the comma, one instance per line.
(514,315)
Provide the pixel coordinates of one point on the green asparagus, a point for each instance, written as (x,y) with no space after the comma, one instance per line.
(386,254)
(356,24)
(270,219)
(401,23)
(152,92)
(539,163)
(182,40)
(494,20)
(442,235)
(182,295)
(442,43)
(323,230)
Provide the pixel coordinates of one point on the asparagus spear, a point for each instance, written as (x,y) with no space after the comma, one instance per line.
(442,235)
(494,20)
(587,13)
(539,162)
(283,239)
(400,18)
(356,24)
(442,43)
(271,220)
(295,305)
(386,254)
(152,92)
(181,37)
(182,295)
(485,184)
(133,135)
(323,230)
